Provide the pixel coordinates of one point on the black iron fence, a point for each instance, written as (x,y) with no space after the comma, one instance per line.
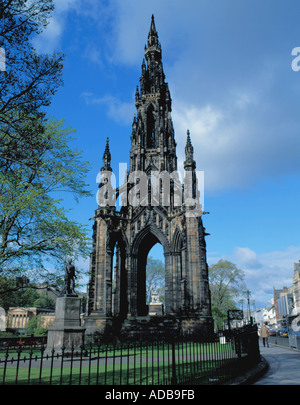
(22,341)
(156,363)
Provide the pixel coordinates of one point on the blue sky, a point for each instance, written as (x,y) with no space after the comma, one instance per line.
(228,65)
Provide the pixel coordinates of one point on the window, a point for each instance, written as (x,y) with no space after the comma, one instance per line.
(150,128)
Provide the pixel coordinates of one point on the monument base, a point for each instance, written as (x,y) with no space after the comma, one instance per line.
(99,327)
(66,331)
(156,309)
(153,326)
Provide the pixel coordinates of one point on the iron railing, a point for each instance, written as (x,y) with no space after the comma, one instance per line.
(144,363)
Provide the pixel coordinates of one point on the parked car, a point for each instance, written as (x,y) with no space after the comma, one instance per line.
(273,332)
(283,332)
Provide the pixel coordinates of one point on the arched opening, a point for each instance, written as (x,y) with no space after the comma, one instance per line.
(155,274)
(119,301)
(145,240)
(149,244)
(150,128)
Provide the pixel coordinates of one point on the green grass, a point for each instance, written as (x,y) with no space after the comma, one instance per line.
(131,370)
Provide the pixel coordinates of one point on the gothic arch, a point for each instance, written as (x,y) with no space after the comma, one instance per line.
(142,244)
(147,235)
(117,247)
(177,241)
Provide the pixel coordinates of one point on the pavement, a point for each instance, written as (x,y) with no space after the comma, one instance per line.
(280,365)
(283,366)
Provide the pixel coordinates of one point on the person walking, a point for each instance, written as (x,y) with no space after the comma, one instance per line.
(264,334)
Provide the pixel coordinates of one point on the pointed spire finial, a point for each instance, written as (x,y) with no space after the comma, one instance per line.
(189,152)
(153,28)
(153,36)
(188,139)
(106,157)
(107,146)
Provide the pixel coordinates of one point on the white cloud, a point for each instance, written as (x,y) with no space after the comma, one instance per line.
(247,258)
(242,127)
(241,130)
(221,144)
(93,53)
(265,271)
(238,143)
(65,5)
(121,112)
(49,40)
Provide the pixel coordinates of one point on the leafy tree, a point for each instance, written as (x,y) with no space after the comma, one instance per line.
(44,301)
(18,292)
(36,161)
(226,284)
(34,226)
(29,80)
(8,293)
(34,327)
(155,279)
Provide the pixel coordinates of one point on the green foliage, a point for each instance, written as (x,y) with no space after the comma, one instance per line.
(34,327)
(30,80)
(7,334)
(37,162)
(155,279)
(15,293)
(43,301)
(226,285)
(33,223)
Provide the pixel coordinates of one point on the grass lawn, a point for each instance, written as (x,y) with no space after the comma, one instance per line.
(116,365)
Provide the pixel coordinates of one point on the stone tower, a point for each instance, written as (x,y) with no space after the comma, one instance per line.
(157,207)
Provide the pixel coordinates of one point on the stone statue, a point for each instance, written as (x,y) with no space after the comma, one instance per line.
(69,288)
(155,298)
(66,334)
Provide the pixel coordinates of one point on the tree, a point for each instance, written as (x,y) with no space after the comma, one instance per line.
(36,162)
(44,301)
(29,80)
(18,292)
(155,279)
(226,284)
(34,326)
(34,226)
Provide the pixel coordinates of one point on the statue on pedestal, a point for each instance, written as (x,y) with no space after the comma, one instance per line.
(69,287)
(66,331)
(155,298)
(155,306)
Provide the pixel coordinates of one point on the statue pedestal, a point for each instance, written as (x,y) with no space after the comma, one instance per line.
(66,330)
(156,309)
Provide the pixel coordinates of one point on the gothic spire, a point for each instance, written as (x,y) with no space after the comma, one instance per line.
(153,51)
(152,137)
(106,158)
(153,36)
(189,163)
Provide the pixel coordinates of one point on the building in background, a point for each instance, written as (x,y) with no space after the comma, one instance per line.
(17,318)
(296,286)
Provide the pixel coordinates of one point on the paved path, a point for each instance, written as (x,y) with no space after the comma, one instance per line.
(284,366)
